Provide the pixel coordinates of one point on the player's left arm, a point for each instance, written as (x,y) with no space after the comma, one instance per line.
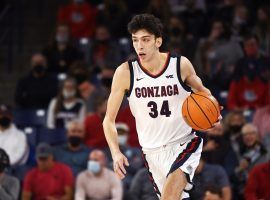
(190,77)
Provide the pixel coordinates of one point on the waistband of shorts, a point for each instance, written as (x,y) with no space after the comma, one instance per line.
(166,146)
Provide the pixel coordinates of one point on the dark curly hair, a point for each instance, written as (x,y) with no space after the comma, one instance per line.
(148,22)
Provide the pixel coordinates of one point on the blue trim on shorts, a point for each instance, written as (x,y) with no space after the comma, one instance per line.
(151,176)
(191,147)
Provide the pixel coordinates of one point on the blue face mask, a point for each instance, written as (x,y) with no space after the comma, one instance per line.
(93,166)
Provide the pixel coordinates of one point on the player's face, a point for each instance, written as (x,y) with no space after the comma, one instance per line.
(145,44)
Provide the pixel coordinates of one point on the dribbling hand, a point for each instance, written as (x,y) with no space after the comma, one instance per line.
(217,123)
(119,163)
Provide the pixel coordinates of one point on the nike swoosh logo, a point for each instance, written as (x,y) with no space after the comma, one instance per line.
(138,79)
(183,143)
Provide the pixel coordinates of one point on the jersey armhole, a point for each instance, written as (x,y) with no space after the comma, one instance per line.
(178,67)
(128,92)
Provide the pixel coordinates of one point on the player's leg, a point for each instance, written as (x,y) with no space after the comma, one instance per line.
(182,170)
(174,186)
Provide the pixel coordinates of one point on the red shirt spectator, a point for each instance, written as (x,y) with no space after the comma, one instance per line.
(126,116)
(247,94)
(258,183)
(80,16)
(50,183)
(50,179)
(94,134)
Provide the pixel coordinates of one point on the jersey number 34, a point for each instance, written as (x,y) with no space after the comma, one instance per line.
(154,109)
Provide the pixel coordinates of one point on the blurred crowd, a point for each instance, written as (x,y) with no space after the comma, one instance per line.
(52,144)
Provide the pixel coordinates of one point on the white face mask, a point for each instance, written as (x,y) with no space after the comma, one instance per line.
(68,94)
(122,139)
(93,166)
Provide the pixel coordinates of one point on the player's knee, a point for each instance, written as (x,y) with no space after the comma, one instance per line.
(178,176)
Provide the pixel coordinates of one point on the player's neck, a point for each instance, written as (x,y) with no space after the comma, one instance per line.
(156,63)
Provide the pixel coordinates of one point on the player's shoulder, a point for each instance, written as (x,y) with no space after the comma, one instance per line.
(123,71)
(185,60)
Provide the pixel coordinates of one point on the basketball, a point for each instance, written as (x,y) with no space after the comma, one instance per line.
(200,111)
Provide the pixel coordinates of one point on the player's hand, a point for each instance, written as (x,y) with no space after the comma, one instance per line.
(119,163)
(217,123)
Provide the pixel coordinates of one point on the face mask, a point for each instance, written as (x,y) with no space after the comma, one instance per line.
(93,166)
(61,39)
(74,141)
(5,122)
(122,139)
(68,94)
(107,82)
(39,69)
(236,128)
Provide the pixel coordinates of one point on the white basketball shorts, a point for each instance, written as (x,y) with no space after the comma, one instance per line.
(166,159)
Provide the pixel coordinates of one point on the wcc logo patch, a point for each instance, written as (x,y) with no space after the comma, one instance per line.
(169,76)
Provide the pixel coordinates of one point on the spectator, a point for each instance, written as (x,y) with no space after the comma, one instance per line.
(207,175)
(86,86)
(105,51)
(262,29)
(103,87)
(217,55)
(160,9)
(141,187)
(261,119)
(248,89)
(66,106)
(60,53)
(240,23)
(258,183)
(250,154)
(178,39)
(94,135)
(50,179)
(125,116)
(98,182)
(132,154)
(12,140)
(81,18)
(30,91)
(218,149)
(74,153)
(195,19)
(9,186)
(234,121)
(80,71)
(116,13)
(213,193)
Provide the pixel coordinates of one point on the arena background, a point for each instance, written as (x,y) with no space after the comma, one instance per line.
(44,42)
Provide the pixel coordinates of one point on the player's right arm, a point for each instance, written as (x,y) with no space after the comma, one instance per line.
(120,84)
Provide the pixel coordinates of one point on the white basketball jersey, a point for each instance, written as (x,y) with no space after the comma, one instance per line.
(156,103)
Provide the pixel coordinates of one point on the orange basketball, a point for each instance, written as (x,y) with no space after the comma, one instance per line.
(200,111)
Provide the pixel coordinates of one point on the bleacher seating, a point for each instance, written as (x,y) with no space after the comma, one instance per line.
(33,118)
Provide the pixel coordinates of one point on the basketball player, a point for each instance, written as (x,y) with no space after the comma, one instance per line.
(156,85)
